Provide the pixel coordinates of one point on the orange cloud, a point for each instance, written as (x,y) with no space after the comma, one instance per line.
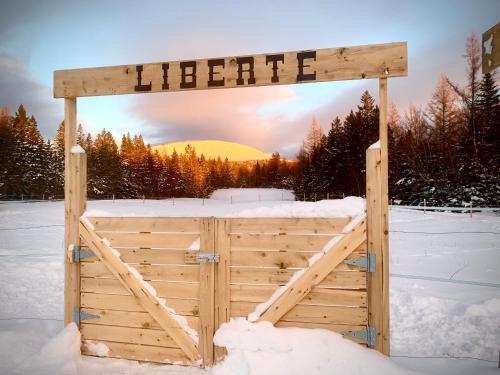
(227,114)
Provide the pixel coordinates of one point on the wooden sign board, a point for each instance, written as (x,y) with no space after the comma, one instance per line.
(491,49)
(332,64)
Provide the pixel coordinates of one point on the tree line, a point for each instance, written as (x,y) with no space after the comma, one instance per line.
(446,153)
(33,166)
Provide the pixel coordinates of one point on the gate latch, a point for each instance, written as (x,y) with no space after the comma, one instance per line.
(207,257)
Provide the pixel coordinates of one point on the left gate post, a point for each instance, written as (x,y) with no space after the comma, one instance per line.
(75,194)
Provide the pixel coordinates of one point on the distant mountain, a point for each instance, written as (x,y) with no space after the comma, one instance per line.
(212,149)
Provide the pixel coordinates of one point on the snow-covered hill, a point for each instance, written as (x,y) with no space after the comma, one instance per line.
(212,149)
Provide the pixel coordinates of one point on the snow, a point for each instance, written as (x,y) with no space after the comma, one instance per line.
(190,207)
(77,150)
(97,348)
(195,246)
(252,195)
(260,348)
(375,145)
(428,318)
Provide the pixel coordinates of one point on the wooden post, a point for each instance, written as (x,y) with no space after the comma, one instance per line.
(75,200)
(207,291)
(377,199)
(222,272)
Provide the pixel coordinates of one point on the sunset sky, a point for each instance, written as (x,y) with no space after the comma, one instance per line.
(38,37)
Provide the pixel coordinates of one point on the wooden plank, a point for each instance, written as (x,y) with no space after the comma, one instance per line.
(75,200)
(127,335)
(344,280)
(133,319)
(289,225)
(148,256)
(146,224)
(165,272)
(339,328)
(130,303)
(141,352)
(285,259)
(222,279)
(490,57)
(121,271)
(149,240)
(316,273)
(312,314)
(317,296)
(164,289)
(207,291)
(384,192)
(378,311)
(330,64)
(275,276)
(297,242)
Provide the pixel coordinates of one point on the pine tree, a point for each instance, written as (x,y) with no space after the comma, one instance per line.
(315,136)
(7,149)
(108,178)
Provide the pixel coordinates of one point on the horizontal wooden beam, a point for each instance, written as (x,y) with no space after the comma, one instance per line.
(330,64)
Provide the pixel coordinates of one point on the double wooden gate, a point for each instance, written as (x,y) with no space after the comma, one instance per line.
(156,289)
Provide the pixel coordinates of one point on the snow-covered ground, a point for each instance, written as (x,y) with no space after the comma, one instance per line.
(455,313)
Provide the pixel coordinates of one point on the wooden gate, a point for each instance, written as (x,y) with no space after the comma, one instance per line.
(117,287)
(157,289)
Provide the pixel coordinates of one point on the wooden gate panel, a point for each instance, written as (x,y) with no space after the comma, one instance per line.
(267,252)
(120,320)
(256,257)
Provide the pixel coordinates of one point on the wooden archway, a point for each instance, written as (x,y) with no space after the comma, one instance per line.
(380,61)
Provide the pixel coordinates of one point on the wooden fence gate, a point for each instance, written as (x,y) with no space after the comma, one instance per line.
(157,288)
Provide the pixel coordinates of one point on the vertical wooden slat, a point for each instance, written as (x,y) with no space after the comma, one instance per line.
(222,272)
(207,290)
(384,173)
(74,205)
(377,225)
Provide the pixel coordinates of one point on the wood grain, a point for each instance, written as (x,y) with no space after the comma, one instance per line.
(330,64)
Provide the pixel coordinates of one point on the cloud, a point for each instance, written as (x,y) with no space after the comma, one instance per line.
(19,88)
(230,114)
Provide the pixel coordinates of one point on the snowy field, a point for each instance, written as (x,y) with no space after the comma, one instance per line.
(445,294)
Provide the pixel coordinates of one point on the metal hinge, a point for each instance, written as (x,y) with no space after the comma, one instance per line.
(367,262)
(207,257)
(79,254)
(79,315)
(369,335)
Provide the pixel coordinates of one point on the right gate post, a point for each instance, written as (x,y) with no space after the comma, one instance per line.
(378,281)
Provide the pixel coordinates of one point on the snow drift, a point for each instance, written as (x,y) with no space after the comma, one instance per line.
(260,348)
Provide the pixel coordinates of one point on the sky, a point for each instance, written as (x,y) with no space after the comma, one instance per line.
(39,37)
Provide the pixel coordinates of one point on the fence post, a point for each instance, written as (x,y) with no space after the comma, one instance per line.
(222,278)
(378,281)
(470,207)
(425,205)
(75,201)
(207,291)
